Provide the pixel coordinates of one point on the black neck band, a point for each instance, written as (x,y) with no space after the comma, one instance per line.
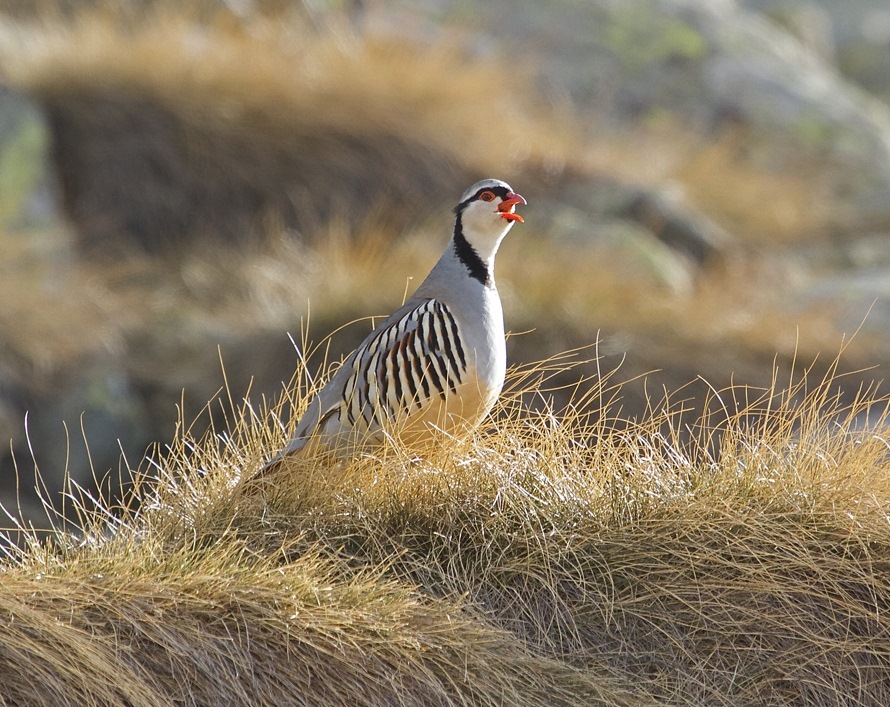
(467,254)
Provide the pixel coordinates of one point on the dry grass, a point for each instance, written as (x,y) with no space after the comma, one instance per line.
(764,205)
(217,624)
(174,122)
(43,325)
(737,559)
(166,130)
(735,310)
(559,557)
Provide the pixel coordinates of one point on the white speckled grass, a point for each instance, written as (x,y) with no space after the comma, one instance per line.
(555,558)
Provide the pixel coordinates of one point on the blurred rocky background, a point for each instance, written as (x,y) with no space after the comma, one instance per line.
(708,186)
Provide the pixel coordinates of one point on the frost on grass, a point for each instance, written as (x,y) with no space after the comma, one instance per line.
(560,556)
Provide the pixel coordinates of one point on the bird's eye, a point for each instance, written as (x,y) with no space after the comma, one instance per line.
(487,196)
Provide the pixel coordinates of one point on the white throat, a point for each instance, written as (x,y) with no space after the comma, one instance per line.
(484,229)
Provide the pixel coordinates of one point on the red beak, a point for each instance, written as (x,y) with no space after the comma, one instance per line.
(506,207)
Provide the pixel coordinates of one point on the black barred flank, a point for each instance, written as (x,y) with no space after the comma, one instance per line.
(418,367)
(436,371)
(405,366)
(456,349)
(450,347)
(444,352)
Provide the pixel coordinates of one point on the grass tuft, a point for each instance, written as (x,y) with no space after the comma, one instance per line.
(557,557)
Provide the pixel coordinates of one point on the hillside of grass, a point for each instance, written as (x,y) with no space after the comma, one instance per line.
(678,513)
(213,181)
(550,560)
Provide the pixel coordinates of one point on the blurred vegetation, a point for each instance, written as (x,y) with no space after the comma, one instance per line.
(641,37)
(181,185)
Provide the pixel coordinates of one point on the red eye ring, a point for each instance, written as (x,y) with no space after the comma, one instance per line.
(487,196)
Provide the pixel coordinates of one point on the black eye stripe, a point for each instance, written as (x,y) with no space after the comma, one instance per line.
(497,190)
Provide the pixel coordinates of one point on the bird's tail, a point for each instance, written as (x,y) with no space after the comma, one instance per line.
(293,448)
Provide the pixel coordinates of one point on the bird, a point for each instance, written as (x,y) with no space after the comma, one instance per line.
(436,365)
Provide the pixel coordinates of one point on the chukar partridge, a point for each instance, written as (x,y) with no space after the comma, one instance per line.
(437,364)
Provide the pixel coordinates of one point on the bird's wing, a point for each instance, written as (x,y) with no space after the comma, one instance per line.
(414,356)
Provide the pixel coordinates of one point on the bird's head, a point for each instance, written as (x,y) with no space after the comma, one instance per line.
(486,211)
